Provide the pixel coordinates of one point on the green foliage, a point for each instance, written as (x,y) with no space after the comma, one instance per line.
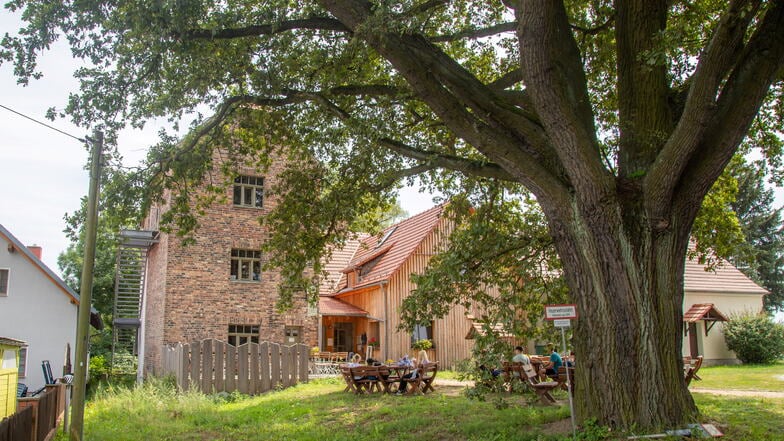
(755,338)
(591,430)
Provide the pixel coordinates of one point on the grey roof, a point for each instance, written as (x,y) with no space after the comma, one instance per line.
(95,317)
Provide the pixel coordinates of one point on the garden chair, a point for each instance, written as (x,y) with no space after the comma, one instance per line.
(542,388)
(429,371)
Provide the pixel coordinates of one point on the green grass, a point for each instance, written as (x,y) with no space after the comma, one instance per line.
(319,411)
(742,377)
(743,419)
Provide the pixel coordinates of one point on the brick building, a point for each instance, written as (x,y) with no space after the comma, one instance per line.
(215,288)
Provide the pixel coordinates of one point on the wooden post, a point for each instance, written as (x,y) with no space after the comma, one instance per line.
(264,351)
(242,352)
(231,368)
(275,361)
(220,374)
(254,368)
(206,366)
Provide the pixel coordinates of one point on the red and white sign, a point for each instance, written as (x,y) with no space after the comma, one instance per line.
(554,312)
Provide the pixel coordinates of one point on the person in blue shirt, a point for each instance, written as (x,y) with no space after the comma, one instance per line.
(550,369)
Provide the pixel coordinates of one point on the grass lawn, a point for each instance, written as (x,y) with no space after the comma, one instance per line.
(319,411)
(742,377)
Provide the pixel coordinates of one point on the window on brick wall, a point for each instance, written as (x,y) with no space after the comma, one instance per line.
(4,282)
(241,334)
(293,334)
(246,265)
(248,191)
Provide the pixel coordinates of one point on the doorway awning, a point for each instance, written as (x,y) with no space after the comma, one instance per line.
(335,307)
(706,312)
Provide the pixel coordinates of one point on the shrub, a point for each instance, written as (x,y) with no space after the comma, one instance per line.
(755,338)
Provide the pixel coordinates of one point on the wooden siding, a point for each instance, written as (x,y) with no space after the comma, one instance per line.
(448,332)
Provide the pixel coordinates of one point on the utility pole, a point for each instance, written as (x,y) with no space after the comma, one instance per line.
(86,292)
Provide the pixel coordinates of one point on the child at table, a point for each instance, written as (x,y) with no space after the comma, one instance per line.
(422,356)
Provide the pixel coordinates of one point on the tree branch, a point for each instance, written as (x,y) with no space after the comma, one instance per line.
(700,107)
(556,83)
(509,79)
(737,106)
(476,33)
(313,23)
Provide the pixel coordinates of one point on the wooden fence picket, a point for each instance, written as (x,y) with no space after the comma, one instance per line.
(264,352)
(253,368)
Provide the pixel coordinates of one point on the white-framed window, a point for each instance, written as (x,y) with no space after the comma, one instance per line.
(241,334)
(248,191)
(22,362)
(293,334)
(245,265)
(423,331)
(4,275)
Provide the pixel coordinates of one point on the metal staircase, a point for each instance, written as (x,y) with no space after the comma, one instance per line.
(129,291)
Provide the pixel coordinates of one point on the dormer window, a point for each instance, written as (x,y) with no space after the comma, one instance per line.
(386,236)
(365,269)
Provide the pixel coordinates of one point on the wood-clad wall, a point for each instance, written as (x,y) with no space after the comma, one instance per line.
(449,332)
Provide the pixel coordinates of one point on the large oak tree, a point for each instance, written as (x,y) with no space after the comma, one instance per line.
(617,116)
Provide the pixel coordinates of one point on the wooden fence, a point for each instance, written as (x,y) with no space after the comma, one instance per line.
(37,417)
(214,366)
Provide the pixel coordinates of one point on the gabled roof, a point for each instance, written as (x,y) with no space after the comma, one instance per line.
(396,248)
(7,341)
(338,261)
(95,317)
(723,279)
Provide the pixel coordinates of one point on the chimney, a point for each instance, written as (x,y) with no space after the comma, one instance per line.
(36,250)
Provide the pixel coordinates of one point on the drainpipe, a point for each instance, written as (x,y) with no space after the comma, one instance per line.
(386,320)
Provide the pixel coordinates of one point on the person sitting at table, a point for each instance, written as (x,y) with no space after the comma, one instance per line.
(414,373)
(550,369)
(519,356)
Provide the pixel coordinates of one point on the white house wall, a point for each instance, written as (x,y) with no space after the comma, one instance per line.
(713,347)
(38,312)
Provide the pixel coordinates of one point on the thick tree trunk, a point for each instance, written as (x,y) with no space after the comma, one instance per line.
(627,282)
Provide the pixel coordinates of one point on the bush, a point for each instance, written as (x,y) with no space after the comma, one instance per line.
(423,344)
(755,338)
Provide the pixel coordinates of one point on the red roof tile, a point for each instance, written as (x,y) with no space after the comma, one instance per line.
(333,306)
(703,311)
(337,262)
(724,279)
(400,244)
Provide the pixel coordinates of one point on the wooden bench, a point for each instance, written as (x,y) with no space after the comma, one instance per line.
(366,379)
(345,371)
(387,379)
(428,375)
(513,374)
(542,388)
(564,382)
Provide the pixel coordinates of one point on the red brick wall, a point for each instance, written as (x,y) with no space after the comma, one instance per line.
(190,296)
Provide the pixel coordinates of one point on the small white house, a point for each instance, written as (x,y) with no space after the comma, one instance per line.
(37,307)
(710,298)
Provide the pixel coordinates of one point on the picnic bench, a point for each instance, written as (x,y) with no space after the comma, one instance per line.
(541,388)
(513,374)
(370,379)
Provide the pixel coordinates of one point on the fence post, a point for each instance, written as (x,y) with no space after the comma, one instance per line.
(242,353)
(254,368)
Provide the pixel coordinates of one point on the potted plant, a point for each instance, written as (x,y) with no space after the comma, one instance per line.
(373,343)
(422,345)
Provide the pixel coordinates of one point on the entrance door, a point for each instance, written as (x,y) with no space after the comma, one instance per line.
(694,350)
(344,337)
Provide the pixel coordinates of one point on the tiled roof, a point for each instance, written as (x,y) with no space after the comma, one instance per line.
(95,317)
(337,262)
(333,306)
(478,329)
(724,279)
(400,244)
(703,311)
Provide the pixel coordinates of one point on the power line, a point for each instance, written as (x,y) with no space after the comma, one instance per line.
(42,123)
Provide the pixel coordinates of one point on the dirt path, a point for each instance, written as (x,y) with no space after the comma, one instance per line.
(699,390)
(739,393)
